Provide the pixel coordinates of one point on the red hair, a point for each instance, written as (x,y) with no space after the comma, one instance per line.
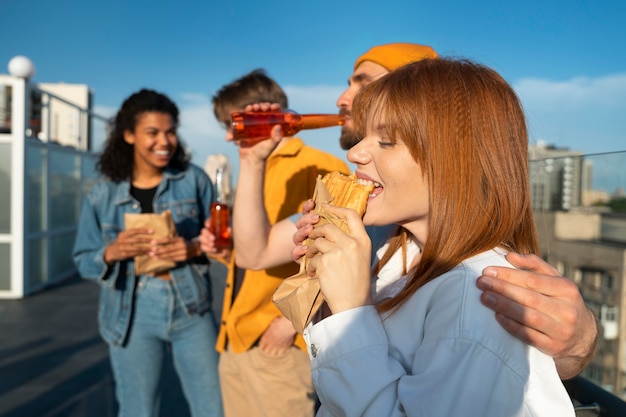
(465,127)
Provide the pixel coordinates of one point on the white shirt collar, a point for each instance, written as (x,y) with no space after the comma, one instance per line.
(389,281)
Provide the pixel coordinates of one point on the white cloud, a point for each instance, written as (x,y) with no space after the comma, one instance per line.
(580,92)
(313,99)
(199,129)
(582,113)
(105,111)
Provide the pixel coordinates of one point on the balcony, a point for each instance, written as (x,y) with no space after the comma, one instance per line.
(46,167)
(580,213)
(54,363)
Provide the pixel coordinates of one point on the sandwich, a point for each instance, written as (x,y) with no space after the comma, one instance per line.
(347,191)
(342,191)
(299,297)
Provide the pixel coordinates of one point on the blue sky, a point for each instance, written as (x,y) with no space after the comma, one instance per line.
(566,59)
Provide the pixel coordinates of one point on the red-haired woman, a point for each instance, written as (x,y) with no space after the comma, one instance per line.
(445,143)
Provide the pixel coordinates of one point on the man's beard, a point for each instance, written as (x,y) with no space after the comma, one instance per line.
(348,138)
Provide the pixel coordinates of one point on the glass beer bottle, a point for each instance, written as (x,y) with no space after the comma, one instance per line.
(219,222)
(257,126)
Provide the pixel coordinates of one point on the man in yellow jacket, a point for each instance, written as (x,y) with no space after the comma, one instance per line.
(264,368)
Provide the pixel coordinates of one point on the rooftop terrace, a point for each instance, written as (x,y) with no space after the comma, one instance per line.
(53,362)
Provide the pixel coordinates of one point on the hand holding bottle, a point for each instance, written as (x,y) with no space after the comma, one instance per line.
(261,148)
(207,243)
(219,222)
(256,125)
(263,107)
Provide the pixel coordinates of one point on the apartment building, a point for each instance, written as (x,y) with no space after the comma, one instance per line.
(590,247)
(558,177)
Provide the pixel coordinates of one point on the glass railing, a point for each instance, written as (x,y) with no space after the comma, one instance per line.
(59,172)
(54,129)
(592,401)
(580,212)
(569,180)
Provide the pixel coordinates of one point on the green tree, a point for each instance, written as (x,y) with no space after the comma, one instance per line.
(618,204)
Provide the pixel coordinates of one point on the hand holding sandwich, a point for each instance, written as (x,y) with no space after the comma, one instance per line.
(305,225)
(128,244)
(341,261)
(337,249)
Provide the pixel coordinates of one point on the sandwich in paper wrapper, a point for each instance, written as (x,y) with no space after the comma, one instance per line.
(298,297)
(163,226)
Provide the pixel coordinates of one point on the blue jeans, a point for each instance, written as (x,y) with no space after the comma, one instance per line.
(159,318)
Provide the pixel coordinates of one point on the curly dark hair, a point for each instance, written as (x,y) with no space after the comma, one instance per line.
(116,161)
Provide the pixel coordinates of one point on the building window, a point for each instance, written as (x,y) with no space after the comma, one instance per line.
(608,320)
(593,373)
(606,281)
(609,313)
(5,108)
(577,276)
(6,150)
(34,122)
(596,279)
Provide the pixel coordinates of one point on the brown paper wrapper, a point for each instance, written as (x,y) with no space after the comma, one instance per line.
(299,297)
(163,226)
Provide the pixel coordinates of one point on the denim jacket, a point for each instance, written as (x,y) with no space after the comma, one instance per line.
(188,194)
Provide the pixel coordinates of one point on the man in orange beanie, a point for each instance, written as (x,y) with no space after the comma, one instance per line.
(550,315)
(372,65)
(541,315)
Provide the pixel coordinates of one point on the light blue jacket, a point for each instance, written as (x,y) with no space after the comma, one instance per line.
(188,194)
(441,353)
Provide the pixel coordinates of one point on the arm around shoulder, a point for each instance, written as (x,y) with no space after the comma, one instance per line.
(542,308)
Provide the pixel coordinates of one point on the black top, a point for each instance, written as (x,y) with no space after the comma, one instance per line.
(144,196)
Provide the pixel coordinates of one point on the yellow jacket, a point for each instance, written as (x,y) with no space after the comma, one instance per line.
(289,180)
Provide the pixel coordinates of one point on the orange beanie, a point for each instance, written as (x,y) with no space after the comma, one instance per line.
(395,55)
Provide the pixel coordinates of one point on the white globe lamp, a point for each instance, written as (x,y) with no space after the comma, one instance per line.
(21,66)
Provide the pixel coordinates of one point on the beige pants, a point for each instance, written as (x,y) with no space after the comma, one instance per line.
(256,384)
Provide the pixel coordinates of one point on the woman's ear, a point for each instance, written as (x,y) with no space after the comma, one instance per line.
(129,137)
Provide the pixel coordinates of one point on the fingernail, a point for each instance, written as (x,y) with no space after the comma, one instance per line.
(490,272)
(490,299)
(484,283)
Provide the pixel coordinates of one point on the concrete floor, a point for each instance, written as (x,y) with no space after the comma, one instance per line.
(53,362)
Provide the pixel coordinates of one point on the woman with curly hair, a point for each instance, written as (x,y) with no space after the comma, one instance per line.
(145,169)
